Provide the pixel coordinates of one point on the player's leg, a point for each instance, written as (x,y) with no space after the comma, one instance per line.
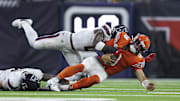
(77,76)
(82,83)
(25,24)
(96,72)
(85,82)
(53,84)
(71,70)
(72,57)
(56,41)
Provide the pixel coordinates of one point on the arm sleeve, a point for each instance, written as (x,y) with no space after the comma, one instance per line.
(39,74)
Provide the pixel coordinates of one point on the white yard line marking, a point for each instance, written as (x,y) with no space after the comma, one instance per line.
(117,89)
(54,99)
(163,92)
(99,95)
(112,89)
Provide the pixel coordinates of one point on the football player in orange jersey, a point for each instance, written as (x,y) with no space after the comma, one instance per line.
(127,53)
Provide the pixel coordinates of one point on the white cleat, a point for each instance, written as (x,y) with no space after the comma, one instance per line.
(18,22)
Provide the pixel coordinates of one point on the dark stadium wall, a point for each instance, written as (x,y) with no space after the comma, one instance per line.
(15,50)
(161,21)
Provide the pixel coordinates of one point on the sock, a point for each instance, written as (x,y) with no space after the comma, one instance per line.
(71,70)
(85,82)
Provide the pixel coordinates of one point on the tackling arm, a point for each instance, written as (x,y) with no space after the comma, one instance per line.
(47,77)
(142,78)
(101,46)
(0,84)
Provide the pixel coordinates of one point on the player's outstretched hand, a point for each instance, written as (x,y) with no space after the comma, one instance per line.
(150,57)
(151,86)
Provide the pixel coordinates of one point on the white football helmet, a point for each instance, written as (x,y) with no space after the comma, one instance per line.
(107,32)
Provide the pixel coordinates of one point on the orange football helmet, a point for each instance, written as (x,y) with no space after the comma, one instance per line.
(141,42)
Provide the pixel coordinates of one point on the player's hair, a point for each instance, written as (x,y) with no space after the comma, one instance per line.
(30,83)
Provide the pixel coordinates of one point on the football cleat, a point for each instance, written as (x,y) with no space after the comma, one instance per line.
(18,22)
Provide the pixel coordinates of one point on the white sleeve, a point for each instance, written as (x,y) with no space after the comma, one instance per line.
(12,80)
(100,45)
(37,72)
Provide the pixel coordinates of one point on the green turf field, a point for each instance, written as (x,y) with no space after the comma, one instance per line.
(109,90)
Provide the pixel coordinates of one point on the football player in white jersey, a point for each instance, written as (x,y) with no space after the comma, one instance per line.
(25,79)
(21,79)
(68,43)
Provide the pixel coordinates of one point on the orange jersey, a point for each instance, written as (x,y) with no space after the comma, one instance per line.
(126,59)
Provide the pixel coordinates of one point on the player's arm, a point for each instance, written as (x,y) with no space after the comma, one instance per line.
(143,79)
(101,46)
(47,77)
(112,58)
(0,84)
(107,58)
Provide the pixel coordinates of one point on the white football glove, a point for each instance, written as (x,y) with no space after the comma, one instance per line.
(53,84)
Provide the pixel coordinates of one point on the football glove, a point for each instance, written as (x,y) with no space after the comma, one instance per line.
(150,57)
(53,84)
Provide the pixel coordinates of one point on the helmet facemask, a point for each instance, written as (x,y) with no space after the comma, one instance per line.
(117,29)
(140,44)
(29,83)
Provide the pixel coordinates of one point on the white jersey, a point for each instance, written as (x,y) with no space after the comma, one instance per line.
(67,42)
(83,39)
(86,40)
(72,43)
(11,78)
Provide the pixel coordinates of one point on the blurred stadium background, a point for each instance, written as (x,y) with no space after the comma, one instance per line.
(159,19)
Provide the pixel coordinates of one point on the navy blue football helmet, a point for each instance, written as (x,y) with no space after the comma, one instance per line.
(119,28)
(30,83)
